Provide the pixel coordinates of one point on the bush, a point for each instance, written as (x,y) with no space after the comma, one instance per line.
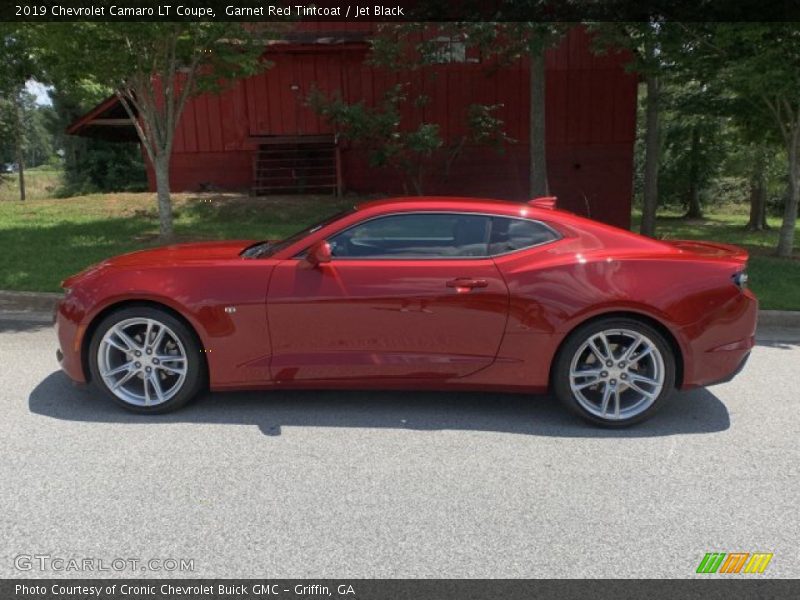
(96,166)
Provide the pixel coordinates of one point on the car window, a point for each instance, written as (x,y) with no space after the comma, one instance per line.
(415,235)
(509,234)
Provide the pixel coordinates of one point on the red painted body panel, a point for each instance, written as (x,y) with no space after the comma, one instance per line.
(396,323)
(378,319)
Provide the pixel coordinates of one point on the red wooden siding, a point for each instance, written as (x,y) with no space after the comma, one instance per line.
(591,107)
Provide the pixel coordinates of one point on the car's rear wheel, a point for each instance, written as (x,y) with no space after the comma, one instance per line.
(615,371)
(146,360)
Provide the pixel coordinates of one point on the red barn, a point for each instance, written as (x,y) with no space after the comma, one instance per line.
(260,135)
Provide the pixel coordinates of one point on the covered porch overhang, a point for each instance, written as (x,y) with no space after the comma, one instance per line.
(107,121)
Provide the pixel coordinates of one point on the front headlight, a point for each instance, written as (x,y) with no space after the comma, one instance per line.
(740,279)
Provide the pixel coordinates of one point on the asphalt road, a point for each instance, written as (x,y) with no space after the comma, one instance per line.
(379,484)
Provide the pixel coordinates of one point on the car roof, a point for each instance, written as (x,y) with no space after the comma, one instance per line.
(544,212)
(467,204)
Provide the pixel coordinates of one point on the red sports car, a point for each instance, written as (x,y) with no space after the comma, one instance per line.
(417,293)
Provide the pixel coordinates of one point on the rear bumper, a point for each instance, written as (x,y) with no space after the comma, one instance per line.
(733,373)
(720,350)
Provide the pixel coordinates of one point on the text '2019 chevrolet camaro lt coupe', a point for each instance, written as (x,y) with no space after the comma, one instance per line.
(417,293)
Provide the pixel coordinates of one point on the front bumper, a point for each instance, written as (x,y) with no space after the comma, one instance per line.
(68,317)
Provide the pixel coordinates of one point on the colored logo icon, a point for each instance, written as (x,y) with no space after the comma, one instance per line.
(734,562)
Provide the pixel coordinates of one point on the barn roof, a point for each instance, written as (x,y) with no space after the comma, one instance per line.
(107,121)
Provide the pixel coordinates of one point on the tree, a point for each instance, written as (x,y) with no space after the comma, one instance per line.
(695,140)
(414,146)
(755,154)
(505,42)
(38,140)
(515,40)
(650,44)
(759,64)
(758,190)
(153,69)
(411,148)
(17,67)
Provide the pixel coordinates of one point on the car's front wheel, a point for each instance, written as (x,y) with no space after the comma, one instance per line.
(146,360)
(614,371)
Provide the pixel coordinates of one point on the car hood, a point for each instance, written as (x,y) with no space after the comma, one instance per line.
(172,255)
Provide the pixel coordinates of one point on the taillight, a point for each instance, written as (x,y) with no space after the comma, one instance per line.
(740,279)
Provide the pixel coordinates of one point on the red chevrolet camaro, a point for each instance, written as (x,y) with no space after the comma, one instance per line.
(422,293)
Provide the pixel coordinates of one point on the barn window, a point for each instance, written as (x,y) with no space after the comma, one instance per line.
(450,50)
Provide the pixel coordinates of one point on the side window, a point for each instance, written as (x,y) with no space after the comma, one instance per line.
(415,235)
(509,234)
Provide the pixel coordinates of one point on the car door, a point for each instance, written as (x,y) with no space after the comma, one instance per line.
(406,295)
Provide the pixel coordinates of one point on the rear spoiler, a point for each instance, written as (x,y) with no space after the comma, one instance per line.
(547,202)
(710,249)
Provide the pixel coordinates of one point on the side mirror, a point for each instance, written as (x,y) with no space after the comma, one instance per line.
(319,253)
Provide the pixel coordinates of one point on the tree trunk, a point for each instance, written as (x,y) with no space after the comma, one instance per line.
(537,141)
(21,173)
(161,168)
(786,235)
(758,194)
(652,159)
(19,144)
(694,210)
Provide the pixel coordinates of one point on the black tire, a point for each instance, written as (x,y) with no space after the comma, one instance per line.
(195,368)
(574,343)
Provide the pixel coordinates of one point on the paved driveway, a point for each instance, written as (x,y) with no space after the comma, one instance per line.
(379,484)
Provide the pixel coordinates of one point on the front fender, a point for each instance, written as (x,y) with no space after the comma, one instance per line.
(224,304)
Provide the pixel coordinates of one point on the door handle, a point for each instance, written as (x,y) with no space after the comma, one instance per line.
(466,284)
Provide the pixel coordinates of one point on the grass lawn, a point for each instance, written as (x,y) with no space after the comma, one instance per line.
(40,183)
(44,240)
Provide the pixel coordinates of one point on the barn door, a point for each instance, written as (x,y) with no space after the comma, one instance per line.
(299,164)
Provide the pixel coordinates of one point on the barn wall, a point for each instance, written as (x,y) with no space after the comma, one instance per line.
(591,111)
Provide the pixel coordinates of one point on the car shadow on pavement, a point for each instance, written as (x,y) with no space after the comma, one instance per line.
(696,411)
(23,324)
(781,344)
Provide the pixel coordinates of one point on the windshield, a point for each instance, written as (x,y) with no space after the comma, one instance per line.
(267,248)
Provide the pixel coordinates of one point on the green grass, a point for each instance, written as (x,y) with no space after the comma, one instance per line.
(42,241)
(776,281)
(40,183)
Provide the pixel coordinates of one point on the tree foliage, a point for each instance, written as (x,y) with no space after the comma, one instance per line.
(414,148)
(153,68)
(653,47)
(18,65)
(757,66)
(91,165)
(38,147)
(498,43)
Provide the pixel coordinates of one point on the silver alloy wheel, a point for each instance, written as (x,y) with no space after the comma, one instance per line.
(617,374)
(142,361)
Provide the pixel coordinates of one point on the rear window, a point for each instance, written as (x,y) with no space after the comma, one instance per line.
(510,234)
